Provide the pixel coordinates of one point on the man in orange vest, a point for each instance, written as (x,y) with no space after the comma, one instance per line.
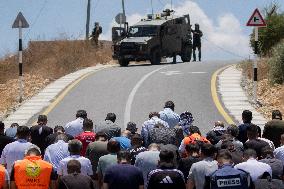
(32,172)
(4,178)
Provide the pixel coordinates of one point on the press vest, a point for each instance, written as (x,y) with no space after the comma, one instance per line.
(229,178)
(192,139)
(32,173)
(2,176)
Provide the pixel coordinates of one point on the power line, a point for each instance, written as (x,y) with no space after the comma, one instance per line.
(225,50)
(36,19)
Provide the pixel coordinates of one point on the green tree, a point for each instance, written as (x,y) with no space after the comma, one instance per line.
(271,35)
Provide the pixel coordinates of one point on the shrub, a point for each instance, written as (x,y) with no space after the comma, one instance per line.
(276,62)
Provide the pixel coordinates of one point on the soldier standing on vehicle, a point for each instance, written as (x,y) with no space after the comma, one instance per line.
(96,33)
(197,34)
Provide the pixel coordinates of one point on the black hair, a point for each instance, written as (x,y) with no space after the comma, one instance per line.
(111,117)
(73,166)
(192,148)
(41,119)
(75,147)
(100,134)
(247,116)
(250,153)
(194,129)
(2,125)
(166,156)
(113,146)
(227,144)
(152,114)
(208,150)
(88,124)
(276,114)
(136,140)
(252,131)
(82,114)
(124,155)
(233,130)
(170,104)
(267,151)
(58,128)
(23,132)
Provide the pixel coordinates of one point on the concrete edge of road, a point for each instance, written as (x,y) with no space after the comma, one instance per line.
(227,87)
(50,96)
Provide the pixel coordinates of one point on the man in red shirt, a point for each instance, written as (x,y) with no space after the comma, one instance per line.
(87,136)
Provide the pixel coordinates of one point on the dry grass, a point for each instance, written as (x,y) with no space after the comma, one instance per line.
(45,61)
(270,96)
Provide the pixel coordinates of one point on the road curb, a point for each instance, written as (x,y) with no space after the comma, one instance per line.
(46,97)
(234,97)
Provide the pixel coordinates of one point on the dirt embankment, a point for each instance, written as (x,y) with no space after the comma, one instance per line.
(44,62)
(270,96)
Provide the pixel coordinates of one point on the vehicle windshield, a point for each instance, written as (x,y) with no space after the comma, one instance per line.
(142,31)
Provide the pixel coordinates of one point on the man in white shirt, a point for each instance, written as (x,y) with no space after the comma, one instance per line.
(168,114)
(252,166)
(16,150)
(75,127)
(75,147)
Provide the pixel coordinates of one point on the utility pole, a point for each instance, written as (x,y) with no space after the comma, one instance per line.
(152,8)
(123,8)
(88,19)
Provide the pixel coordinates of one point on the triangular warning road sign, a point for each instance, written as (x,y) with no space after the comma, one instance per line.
(20,18)
(256,19)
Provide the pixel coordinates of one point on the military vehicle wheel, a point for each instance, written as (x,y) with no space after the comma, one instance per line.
(155,57)
(123,62)
(186,53)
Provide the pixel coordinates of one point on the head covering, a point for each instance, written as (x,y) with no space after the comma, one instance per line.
(186,121)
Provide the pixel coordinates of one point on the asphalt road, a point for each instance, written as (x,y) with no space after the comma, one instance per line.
(132,92)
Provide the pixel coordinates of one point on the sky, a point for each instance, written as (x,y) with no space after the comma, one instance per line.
(223,22)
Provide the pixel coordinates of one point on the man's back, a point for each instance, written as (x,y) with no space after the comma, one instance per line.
(147,161)
(4,140)
(14,151)
(109,128)
(86,167)
(105,162)
(254,168)
(169,116)
(54,153)
(95,150)
(123,176)
(273,131)
(39,134)
(75,181)
(86,138)
(75,127)
(50,139)
(166,179)
(200,169)
(276,166)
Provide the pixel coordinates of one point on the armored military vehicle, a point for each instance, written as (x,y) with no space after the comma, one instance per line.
(156,37)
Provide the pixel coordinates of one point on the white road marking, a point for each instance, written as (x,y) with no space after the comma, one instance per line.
(169,73)
(197,72)
(132,94)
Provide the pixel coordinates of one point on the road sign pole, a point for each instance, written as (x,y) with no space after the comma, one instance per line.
(21,87)
(255,78)
(20,23)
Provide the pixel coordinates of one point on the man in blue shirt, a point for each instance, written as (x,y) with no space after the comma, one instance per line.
(124,141)
(123,175)
(168,114)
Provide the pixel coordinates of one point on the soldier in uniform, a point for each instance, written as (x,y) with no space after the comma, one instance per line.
(96,33)
(197,34)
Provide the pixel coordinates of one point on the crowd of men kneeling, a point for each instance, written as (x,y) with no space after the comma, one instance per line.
(169,152)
